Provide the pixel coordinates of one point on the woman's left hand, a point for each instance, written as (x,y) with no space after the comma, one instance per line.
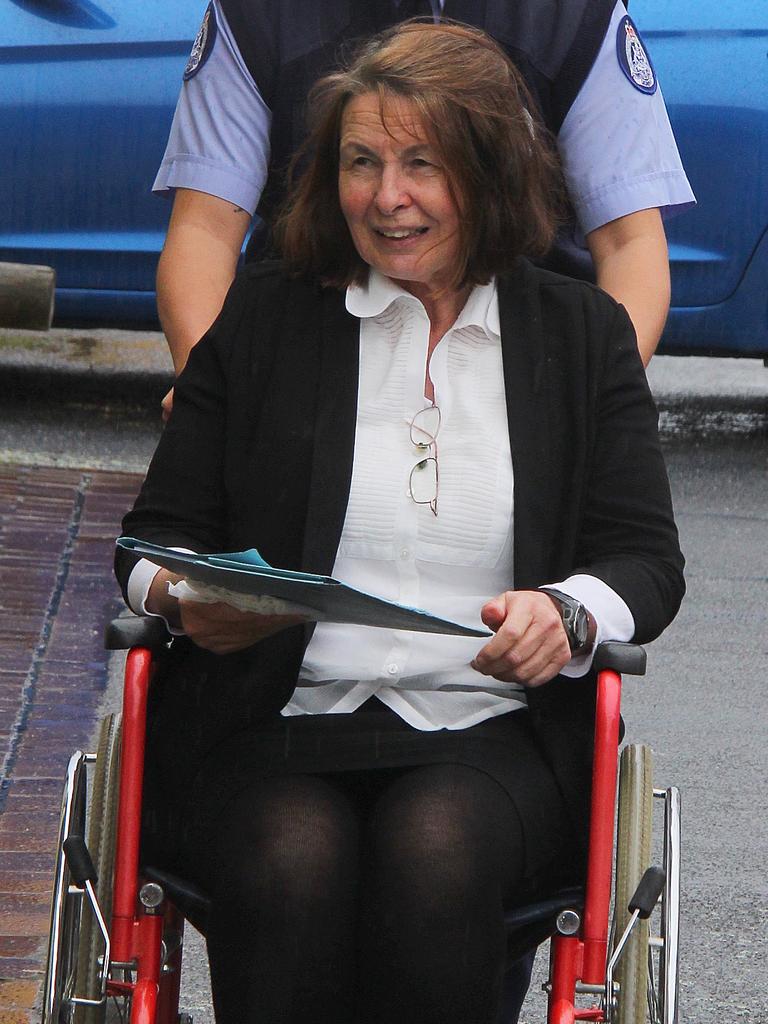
(530,646)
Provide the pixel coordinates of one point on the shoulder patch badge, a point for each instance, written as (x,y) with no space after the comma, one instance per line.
(203,44)
(633,57)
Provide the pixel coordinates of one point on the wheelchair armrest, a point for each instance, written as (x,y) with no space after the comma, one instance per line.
(626,659)
(134,631)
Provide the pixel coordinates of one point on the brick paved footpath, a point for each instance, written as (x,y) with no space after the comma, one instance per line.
(57,531)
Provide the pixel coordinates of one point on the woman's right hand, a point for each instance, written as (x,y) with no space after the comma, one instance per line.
(222,629)
(218,627)
(530,646)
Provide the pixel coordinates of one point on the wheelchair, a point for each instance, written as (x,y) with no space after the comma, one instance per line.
(117,925)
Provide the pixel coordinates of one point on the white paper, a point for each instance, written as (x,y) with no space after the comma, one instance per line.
(262,604)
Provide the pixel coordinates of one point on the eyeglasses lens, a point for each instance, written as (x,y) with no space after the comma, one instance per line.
(424,481)
(425,426)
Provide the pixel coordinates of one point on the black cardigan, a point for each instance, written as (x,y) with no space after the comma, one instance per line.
(259,450)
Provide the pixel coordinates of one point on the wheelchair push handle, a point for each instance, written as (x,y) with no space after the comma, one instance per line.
(79,861)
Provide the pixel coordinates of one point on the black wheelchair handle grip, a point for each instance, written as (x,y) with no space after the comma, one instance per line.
(134,631)
(79,861)
(647,893)
(626,659)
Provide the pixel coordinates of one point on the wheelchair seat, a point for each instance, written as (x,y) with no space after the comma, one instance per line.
(533,923)
(191,901)
(527,926)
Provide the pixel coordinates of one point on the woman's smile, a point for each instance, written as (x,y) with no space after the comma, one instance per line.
(400,234)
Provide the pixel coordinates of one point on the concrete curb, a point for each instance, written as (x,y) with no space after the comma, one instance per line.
(71,364)
(134,368)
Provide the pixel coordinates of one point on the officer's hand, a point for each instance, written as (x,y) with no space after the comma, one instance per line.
(530,646)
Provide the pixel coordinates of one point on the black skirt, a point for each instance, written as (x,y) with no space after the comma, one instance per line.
(375,740)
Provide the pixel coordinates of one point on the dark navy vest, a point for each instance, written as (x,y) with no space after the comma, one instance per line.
(288,44)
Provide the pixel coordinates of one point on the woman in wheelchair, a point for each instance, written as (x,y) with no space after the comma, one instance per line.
(408,403)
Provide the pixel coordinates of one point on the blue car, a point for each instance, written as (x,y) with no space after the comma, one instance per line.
(87,92)
(711,60)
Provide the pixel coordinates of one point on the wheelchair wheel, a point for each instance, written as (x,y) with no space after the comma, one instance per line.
(102,828)
(633,856)
(66,904)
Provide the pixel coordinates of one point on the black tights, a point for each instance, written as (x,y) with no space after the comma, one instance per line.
(362,898)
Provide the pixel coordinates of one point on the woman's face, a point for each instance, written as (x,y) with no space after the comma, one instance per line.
(394,194)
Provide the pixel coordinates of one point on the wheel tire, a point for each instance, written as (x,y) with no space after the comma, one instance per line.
(633,856)
(102,830)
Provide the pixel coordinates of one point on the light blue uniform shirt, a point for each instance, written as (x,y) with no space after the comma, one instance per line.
(616,144)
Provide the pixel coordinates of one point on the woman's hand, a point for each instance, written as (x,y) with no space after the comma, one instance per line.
(222,629)
(530,646)
(219,627)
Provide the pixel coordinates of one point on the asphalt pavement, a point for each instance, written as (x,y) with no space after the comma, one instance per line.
(72,399)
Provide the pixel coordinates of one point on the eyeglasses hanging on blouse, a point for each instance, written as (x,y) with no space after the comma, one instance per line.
(424,479)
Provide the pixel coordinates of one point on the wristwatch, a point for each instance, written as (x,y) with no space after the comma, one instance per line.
(579,625)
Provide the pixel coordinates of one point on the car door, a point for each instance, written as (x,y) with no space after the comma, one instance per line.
(87,92)
(710,57)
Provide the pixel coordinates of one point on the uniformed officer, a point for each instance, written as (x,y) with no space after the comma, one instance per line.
(621,163)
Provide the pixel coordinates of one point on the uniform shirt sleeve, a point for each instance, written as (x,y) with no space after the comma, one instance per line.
(219,140)
(616,144)
(611,613)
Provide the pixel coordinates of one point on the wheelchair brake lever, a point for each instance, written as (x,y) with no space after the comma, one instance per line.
(79,861)
(83,873)
(644,899)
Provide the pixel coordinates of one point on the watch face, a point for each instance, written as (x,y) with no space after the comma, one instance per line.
(580,627)
(575,621)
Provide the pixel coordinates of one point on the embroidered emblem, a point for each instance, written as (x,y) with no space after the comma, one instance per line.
(633,57)
(202,45)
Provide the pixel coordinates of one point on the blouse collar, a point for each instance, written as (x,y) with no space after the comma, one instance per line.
(379,292)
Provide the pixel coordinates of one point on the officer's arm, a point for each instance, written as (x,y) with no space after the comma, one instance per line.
(632,265)
(196,267)
(215,164)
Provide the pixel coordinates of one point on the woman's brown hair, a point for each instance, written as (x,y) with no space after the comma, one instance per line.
(499,159)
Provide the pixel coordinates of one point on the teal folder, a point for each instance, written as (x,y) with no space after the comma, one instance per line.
(246,572)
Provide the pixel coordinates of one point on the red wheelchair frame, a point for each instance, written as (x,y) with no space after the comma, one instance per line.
(141,963)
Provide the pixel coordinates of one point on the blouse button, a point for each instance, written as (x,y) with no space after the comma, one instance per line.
(392,669)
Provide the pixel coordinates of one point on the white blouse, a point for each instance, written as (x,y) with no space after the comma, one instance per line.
(449,564)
